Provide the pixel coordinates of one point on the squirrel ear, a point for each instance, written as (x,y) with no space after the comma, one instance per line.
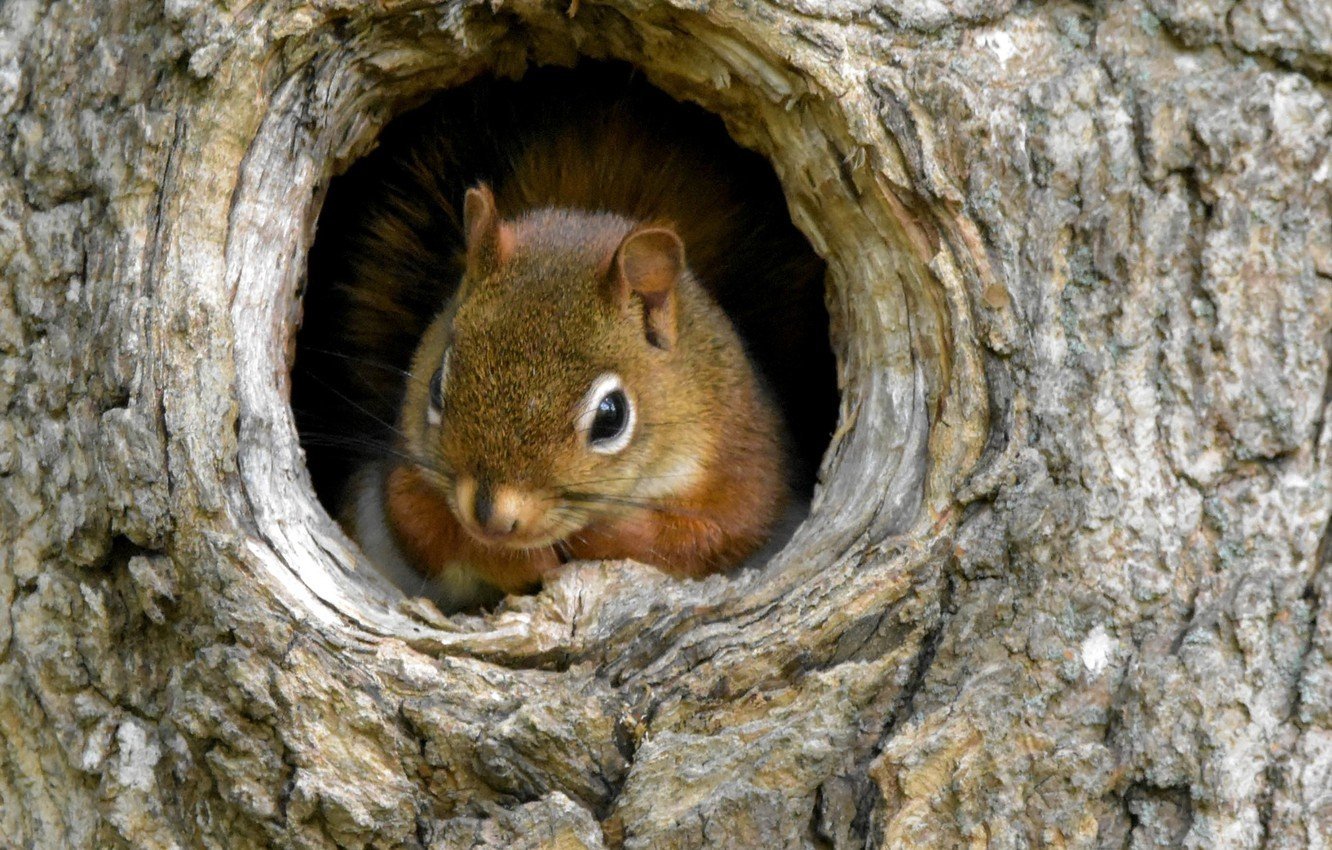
(648,264)
(489,240)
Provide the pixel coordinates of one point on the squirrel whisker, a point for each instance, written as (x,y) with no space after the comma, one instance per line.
(366,361)
(662,477)
(625,501)
(375,448)
(359,407)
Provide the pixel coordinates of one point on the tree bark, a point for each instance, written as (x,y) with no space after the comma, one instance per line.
(1064,583)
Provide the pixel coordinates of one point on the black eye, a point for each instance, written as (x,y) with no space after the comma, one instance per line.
(436,385)
(605,416)
(611,417)
(437,389)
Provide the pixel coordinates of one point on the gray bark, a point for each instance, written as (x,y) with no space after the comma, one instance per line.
(1065,582)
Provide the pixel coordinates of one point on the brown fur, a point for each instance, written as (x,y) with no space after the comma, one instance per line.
(529,334)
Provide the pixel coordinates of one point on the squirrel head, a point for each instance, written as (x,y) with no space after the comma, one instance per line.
(575,377)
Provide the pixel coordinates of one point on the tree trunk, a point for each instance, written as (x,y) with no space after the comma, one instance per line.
(1065,582)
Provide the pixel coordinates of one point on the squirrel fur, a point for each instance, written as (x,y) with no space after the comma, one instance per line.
(472,337)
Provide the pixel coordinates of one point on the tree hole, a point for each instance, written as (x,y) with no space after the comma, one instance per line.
(389,253)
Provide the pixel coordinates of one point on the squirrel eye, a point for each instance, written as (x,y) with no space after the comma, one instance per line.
(607,415)
(436,388)
(612,415)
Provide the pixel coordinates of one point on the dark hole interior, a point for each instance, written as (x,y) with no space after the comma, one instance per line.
(389,250)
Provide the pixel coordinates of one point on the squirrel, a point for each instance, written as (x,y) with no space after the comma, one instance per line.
(568,385)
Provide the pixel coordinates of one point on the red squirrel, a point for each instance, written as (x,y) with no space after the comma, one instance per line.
(579,393)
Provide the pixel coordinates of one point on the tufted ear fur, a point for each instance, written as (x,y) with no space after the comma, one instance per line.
(489,240)
(648,263)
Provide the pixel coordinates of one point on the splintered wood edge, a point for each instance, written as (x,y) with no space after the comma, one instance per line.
(900,326)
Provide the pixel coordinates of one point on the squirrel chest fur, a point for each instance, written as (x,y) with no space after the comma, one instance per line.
(576,392)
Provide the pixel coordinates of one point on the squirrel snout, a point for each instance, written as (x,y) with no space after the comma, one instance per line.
(500,514)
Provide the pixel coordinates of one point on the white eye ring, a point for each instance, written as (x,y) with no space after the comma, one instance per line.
(607,385)
(435,390)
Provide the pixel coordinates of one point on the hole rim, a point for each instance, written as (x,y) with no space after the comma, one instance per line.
(276,486)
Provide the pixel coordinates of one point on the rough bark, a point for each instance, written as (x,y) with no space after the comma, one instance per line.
(1065,582)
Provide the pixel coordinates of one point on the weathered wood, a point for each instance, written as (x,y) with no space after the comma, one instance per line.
(1064,583)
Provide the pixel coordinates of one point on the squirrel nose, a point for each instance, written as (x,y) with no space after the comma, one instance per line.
(497,510)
